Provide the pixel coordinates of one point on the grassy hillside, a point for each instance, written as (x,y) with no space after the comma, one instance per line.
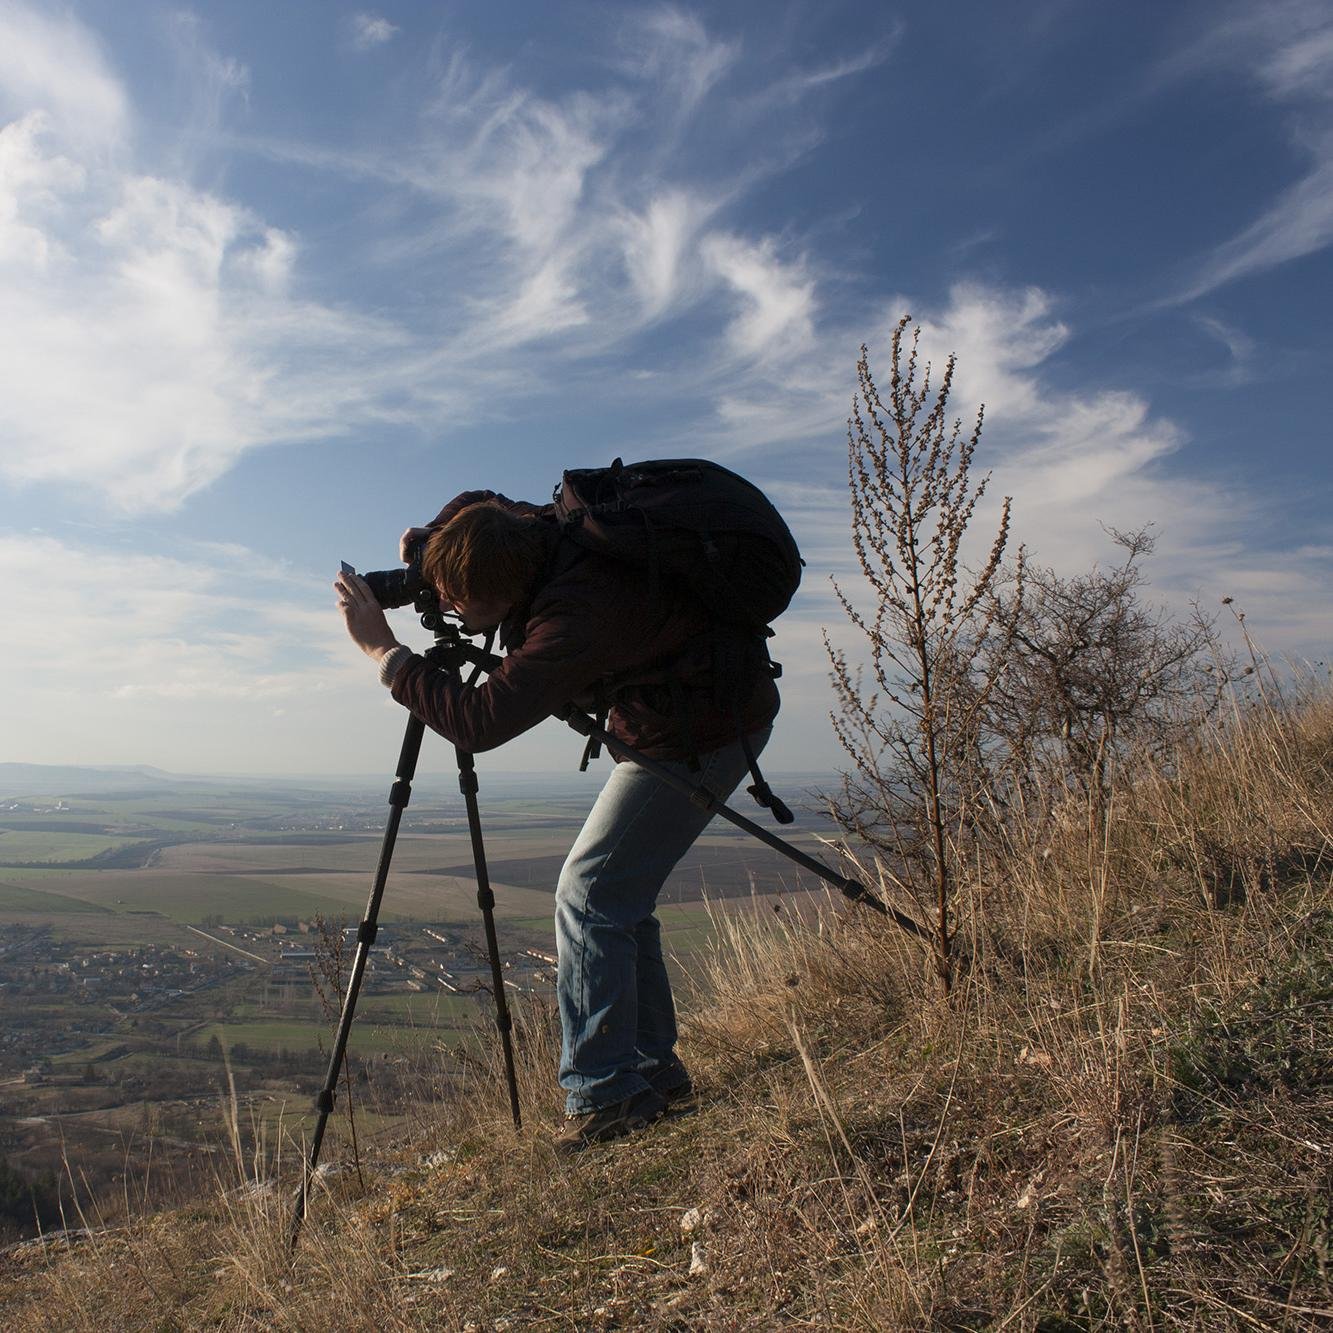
(1121,1118)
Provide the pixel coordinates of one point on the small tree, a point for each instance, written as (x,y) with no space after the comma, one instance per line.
(935,634)
(1092,669)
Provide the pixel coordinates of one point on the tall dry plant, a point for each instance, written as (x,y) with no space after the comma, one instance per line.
(935,636)
(328,975)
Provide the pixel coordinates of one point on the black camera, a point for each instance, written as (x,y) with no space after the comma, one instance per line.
(407,587)
(403,587)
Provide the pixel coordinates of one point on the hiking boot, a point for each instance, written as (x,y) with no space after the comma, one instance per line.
(672,1083)
(610,1122)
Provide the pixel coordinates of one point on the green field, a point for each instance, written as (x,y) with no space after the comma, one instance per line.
(189,898)
(19,846)
(367,1037)
(24,901)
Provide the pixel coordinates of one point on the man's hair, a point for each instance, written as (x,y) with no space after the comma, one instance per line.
(485,552)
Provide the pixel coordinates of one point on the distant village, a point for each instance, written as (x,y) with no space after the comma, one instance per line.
(115,984)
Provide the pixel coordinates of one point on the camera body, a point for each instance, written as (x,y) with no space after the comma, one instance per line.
(407,587)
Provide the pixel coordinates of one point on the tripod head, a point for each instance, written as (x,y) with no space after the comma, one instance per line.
(453,649)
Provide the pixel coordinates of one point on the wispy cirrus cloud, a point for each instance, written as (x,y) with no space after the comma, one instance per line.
(774,319)
(541,238)
(149,336)
(1286,47)
(671,48)
(546,232)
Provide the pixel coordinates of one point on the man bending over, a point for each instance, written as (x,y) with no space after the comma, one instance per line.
(583,628)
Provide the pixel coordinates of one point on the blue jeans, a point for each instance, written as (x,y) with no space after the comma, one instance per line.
(616,1012)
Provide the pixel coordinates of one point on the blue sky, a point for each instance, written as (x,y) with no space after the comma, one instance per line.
(278,280)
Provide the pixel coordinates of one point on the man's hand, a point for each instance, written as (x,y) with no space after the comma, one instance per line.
(409,539)
(364,617)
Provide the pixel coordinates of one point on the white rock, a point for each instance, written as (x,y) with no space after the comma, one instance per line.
(698,1263)
(433,1275)
(498,1273)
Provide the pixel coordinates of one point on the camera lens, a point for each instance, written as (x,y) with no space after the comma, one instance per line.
(394,587)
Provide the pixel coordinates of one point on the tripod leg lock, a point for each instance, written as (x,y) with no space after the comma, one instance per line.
(763,795)
(467,782)
(324,1101)
(366,932)
(400,793)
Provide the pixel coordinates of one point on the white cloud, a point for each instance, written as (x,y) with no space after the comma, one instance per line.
(1240,346)
(550,240)
(269,262)
(777,300)
(1287,47)
(1298,223)
(148,339)
(370,30)
(31,186)
(570,216)
(660,247)
(185,661)
(672,48)
(164,627)
(798,84)
(1074,458)
(53,64)
(1298,60)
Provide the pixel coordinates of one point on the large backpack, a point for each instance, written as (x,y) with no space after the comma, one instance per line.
(702,530)
(695,525)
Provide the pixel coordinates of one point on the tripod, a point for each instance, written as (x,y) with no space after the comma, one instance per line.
(449,653)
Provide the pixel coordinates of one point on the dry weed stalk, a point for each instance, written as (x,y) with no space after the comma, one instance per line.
(912,732)
(328,975)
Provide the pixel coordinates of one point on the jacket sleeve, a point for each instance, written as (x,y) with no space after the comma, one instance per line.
(460,502)
(562,655)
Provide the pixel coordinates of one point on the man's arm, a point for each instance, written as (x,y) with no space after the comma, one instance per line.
(561,657)
(363,616)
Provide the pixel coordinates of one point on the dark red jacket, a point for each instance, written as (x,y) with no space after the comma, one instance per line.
(592,625)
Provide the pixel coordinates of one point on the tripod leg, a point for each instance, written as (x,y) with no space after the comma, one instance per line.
(705,799)
(467,784)
(399,795)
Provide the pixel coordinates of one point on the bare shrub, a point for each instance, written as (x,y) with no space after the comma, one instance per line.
(1092,672)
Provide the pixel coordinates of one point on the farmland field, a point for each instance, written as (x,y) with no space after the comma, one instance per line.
(199,930)
(22,845)
(21,900)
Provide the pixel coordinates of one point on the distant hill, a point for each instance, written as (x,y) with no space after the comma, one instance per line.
(18,780)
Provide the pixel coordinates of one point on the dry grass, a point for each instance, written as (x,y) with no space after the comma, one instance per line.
(1122,1118)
